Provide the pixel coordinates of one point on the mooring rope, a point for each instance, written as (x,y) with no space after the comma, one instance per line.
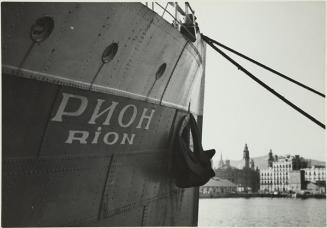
(263,66)
(208,41)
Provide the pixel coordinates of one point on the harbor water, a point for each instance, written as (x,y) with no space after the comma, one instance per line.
(262,212)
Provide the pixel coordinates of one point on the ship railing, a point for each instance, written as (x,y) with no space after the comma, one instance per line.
(182,20)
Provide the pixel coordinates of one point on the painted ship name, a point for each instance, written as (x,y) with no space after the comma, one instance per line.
(125,117)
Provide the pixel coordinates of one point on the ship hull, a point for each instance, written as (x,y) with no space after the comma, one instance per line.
(86,143)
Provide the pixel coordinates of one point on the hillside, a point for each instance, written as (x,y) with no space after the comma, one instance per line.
(316,162)
(262,163)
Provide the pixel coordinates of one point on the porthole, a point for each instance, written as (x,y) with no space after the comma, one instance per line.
(161,71)
(42,28)
(110,52)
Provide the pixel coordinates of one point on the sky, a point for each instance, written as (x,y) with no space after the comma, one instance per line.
(290,38)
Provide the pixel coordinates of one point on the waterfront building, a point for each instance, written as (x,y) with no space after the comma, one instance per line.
(217,186)
(296,181)
(315,179)
(317,187)
(266,179)
(315,173)
(276,176)
(245,178)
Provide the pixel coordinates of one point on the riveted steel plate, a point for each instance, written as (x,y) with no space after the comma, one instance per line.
(151,166)
(140,55)
(125,217)
(190,66)
(26,107)
(56,191)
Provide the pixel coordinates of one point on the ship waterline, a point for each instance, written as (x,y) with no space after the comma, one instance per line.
(90,112)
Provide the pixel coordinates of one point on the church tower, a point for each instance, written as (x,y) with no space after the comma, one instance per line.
(221,162)
(246,157)
(252,164)
(270,158)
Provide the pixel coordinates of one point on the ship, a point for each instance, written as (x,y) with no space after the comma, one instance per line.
(94,96)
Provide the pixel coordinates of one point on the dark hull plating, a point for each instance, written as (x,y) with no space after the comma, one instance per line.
(86,144)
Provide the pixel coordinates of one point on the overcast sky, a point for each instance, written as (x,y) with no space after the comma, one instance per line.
(287,36)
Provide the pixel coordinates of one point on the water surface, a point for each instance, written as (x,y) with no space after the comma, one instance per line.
(262,212)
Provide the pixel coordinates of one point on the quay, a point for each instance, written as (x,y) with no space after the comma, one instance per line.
(267,195)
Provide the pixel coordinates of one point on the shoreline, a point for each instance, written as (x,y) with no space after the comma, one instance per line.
(261,195)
